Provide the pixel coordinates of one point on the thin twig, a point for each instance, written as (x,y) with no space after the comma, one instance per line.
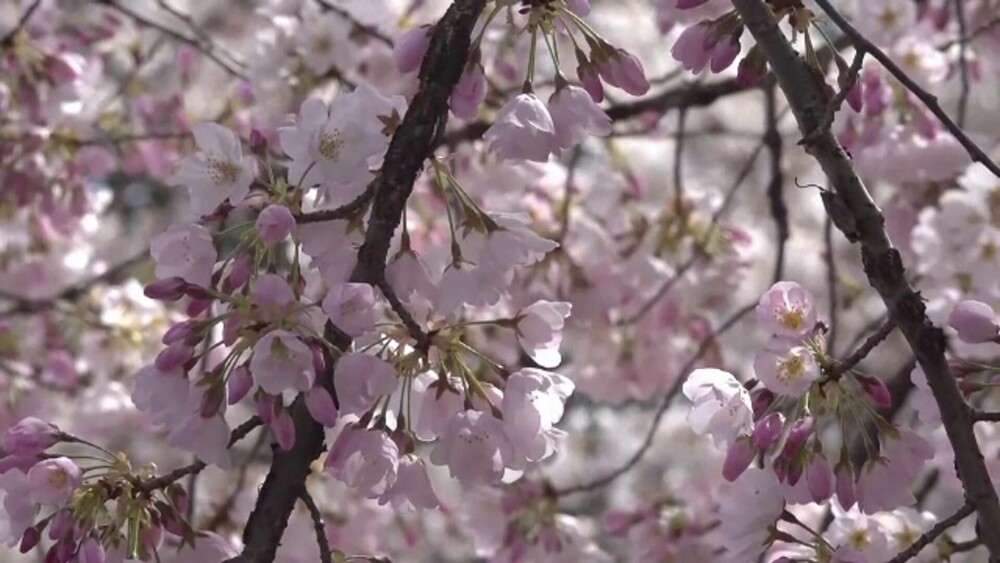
(346,211)
(706,344)
(418,334)
(775,187)
(831,284)
(366,29)
(866,348)
(325,555)
(984,416)
(963,65)
(8,38)
(929,536)
(930,100)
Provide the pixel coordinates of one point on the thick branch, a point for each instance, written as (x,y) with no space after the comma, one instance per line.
(808,95)
(412,143)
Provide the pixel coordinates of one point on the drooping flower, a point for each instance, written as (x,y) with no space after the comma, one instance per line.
(475,448)
(217,172)
(207,438)
(52,481)
(185,251)
(351,307)
(412,489)
(367,460)
(410,48)
(885,484)
(722,406)
(360,379)
(523,130)
(30,436)
(274,223)
(975,321)
(575,116)
(747,510)
(539,330)
(533,402)
(469,93)
(281,361)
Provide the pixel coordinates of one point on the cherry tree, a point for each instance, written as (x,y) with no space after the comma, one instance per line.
(515,280)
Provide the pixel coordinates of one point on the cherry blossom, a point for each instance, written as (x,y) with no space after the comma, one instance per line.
(219,171)
(282,361)
(523,130)
(184,251)
(721,405)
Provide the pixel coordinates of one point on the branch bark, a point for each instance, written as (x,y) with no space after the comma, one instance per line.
(413,141)
(809,96)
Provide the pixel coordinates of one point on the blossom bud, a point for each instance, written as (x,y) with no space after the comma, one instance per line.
(30,539)
(752,68)
(589,79)
(169,289)
(761,401)
(847,493)
(239,384)
(275,223)
(196,307)
(975,322)
(738,459)
(875,389)
(819,477)
(411,47)
(284,430)
(91,551)
(801,431)
(258,143)
(61,524)
(29,437)
(266,406)
(320,405)
(186,331)
(240,272)
(469,93)
(174,356)
(212,401)
(768,430)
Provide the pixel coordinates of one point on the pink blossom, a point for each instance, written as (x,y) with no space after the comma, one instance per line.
(408,275)
(786,310)
(19,511)
(184,251)
(239,384)
(30,436)
(722,406)
(886,484)
(575,116)
(410,47)
(790,372)
(367,460)
(475,448)
(284,429)
(360,379)
(724,53)
(590,81)
(174,356)
(274,223)
(52,481)
(846,486)
(168,289)
(752,505)
(533,402)
(469,93)
(523,130)
(975,321)
(539,330)
(162,395)
(91,551)
(273,297)
(281,361)
(624,70)
(351,307)
(206,438)
(217,172)
(412,489)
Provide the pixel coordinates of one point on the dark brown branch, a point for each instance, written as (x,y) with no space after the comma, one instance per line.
(831,285)
(325,555)
(167,479)
(775,186)
(346,211)
(862,352)
(930,535)
(862,44)
(411,144)
(806,91)
(983,416)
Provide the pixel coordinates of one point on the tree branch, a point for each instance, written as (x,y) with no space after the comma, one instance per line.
(862,44)
(411,144)
(325,555)
(930,535)
(806,91)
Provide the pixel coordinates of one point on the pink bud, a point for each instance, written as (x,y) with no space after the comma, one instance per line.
(738,459)
(275,223)
(579,7)
(469,93)
(819,477)
(169,289)
(801,431)
(186,331)
(590,81)
(239,384)
(258,143)
(855,99)
(61,524)
(724,53)
(847,493)
(629,73)
(761,401)
(284,430)
(318,361)
(688,4)
(173,356)
(751,69)
(196,307)
(321,407)
(240,272)
(266,407)
(152,536)
(875,388)
(768,430)
(975,322)
(29,437)
(410,48)
(30,539)
(91,551)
